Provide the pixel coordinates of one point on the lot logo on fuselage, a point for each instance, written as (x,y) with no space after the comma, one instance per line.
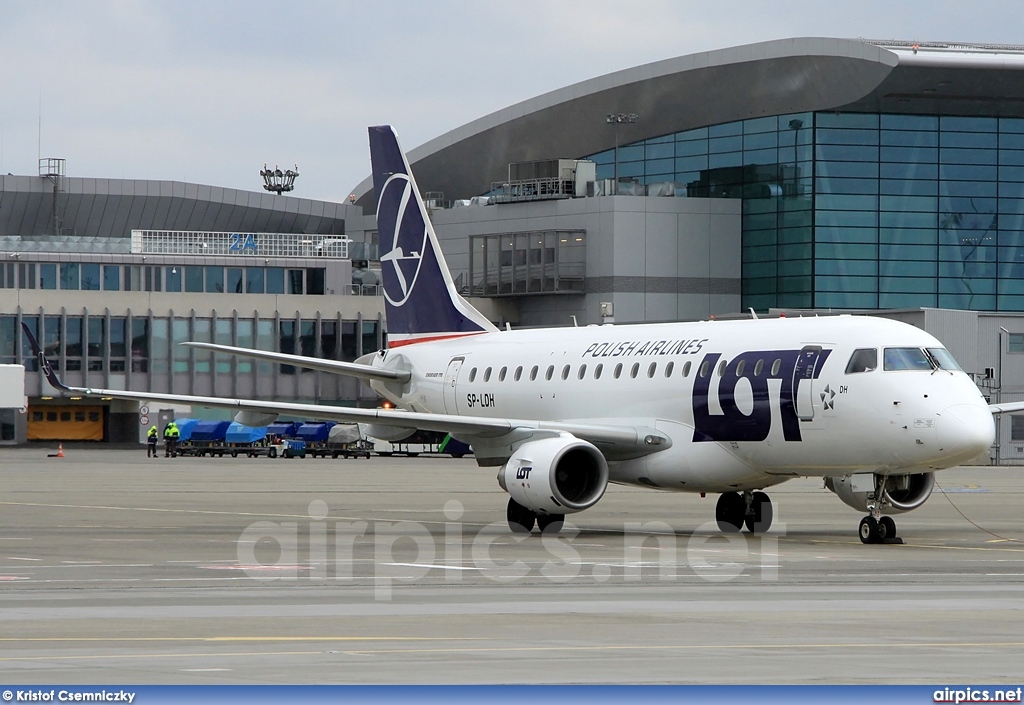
(795,368)
(403,237)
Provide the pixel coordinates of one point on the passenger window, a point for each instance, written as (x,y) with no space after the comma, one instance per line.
(533,373)
(775,368)
(862,360)
(721,367)
(519,373)
(668,369)
(549,373)
(472,374)
(651,370)
(582,373)
(704,368)
(740,366)
(565,372)
(501,374)
(635,371)
(905,359)
(686,369)
(758,368)
(487,375)
(597,371)
(618,371)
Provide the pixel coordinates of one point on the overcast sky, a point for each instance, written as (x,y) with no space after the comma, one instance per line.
(208,91)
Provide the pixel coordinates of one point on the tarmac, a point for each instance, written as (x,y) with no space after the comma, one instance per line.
(118,569)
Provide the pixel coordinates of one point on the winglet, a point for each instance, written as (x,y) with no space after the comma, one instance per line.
(44,364)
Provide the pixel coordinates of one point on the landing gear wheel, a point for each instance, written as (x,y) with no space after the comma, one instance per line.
(886,529)
(520,519)
(729,512)
(759,519)
(869,530)
(550,523)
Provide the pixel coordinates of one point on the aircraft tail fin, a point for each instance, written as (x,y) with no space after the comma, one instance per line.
(420,297)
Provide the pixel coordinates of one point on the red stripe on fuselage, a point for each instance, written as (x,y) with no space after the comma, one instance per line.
(410,341)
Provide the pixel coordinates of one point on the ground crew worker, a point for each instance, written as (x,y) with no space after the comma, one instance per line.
(151,438)
(171,435)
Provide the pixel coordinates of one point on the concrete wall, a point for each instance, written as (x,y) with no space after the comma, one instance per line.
(654,259)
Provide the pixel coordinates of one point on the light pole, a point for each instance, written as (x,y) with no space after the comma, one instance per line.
(277,181)
(999,396)
(616,119)
(795,124)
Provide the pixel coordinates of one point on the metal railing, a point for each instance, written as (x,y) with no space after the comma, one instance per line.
(182,242)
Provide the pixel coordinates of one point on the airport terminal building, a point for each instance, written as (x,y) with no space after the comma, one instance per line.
(799,174)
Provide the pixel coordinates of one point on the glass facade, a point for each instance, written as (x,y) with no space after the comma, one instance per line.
(148,346)
(75,276)
(858,210)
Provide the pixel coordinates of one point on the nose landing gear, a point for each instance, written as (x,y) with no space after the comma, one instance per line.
(876,528)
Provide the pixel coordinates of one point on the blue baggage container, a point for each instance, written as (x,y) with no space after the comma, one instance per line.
(315,432)
(210,430)
(284,429)
(185,427)
(237,433)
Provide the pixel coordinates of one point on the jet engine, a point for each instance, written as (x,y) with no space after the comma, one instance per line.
(383,432)
(900,493)
(558,475)
(255,418)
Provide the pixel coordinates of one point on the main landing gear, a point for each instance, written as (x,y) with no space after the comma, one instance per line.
(751,509)
(876,528)
(521,519)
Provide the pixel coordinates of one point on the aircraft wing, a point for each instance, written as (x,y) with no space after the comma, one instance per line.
(633,440)
(350,369)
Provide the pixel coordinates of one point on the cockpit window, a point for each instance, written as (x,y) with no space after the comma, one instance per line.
(944,359)
(862,360)
(906,359)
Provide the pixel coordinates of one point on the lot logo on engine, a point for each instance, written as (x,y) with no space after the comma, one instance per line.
(523,473)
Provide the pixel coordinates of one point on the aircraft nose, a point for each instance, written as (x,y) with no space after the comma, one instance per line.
(966,430)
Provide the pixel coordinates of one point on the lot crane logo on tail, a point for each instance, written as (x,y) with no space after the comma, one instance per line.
(403,236)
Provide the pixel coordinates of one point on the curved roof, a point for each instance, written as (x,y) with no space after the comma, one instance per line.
(755,80)
(114,207)
(768,78)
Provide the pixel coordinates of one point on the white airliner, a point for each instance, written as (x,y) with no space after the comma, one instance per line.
(873,406)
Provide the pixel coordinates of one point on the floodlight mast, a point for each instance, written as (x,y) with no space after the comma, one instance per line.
(278,181)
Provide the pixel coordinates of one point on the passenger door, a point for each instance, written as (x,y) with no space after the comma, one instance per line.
(451,376)
(803,381)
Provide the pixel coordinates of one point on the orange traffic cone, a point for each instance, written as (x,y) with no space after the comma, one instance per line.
(60,450)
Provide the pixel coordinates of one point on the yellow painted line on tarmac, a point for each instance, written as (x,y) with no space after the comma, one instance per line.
(155,509)
(164,510)
(535,649)
(1001,549)
(231,638)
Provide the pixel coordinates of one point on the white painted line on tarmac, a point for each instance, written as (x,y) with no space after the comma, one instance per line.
(432,565)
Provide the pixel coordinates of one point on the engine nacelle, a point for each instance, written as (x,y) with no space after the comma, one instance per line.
(382,432)
(555,475)
(899,493)
(255,418)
